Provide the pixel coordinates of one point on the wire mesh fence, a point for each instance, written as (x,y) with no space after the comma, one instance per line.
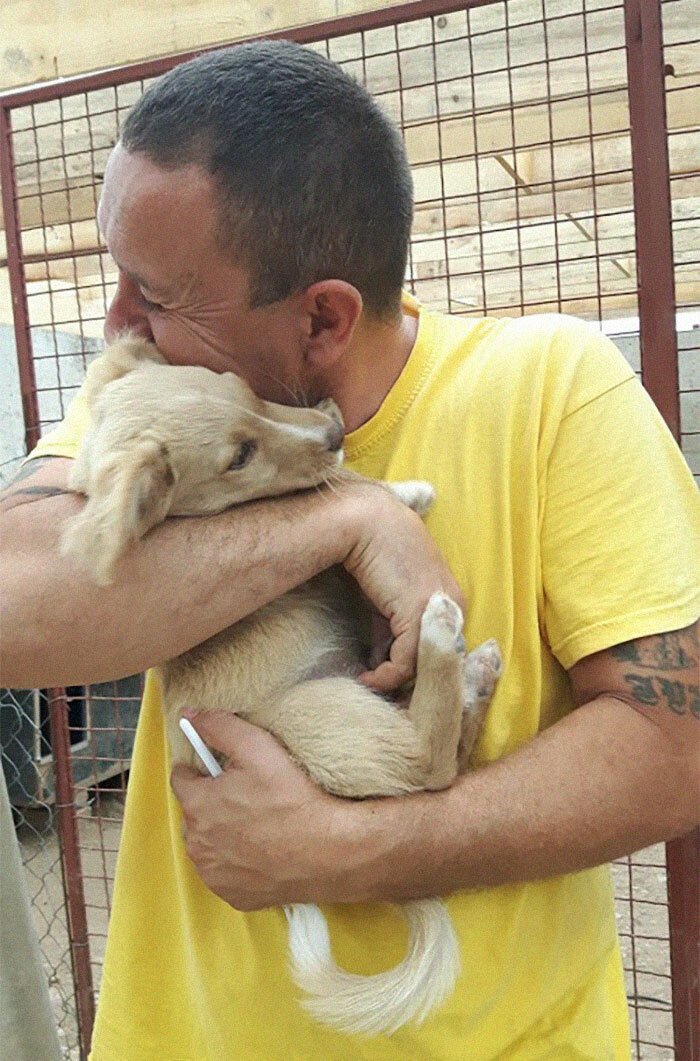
(518,121)
(99,724)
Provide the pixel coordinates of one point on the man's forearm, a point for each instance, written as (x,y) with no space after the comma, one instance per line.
(188,579)
(598,784)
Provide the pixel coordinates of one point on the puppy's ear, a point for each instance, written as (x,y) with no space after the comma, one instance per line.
(131,494)
(123,355)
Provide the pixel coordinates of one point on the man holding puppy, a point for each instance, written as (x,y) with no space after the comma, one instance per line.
(258,207)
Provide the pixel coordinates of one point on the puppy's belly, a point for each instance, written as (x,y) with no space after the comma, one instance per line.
(334,664)
(294,639)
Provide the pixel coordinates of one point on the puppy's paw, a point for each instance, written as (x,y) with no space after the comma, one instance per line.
(415,493)
(482,669)
(441,625)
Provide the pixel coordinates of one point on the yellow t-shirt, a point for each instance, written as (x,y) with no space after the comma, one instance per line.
(566,513)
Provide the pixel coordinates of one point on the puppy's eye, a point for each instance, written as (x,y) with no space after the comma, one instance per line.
(243,455)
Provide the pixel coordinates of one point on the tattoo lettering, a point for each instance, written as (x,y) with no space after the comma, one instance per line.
(643,689)
(662,652)
(675,695)
(678,697)
(626,653)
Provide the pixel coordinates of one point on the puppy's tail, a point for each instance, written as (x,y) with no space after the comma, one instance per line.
(385,1001)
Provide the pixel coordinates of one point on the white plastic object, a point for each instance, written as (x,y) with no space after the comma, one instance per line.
(200,747)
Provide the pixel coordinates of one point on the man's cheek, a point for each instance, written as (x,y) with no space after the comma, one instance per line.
(176,341)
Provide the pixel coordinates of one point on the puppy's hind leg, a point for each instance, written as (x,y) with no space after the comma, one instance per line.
(435,710)
(480,672)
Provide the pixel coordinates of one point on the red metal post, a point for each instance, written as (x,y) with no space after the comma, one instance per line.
(27,381)
(683,870)
(71,867)
(652,206)
(66,824)
(657,310)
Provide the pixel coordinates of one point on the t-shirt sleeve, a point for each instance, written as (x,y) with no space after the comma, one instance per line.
(620,526)
(64,439)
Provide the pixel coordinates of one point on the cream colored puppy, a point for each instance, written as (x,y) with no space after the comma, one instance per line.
(182,441)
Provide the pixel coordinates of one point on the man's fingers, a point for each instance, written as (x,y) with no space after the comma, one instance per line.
(244,745)
(181,780)
(387,678)
(381,639)
(224,732)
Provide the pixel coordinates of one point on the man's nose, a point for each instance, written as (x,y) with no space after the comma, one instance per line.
(334,437)
(127,312)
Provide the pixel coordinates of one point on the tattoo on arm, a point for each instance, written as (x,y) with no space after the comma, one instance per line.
(664,652)
(30,468)
(672,652)
(15,494)
(39,491)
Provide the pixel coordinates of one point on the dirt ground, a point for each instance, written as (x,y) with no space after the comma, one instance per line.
(640,890)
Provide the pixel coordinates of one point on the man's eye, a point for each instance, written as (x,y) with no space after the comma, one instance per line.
(152,306)
(243,455)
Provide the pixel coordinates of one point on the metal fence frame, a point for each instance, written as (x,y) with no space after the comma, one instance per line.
(657,307)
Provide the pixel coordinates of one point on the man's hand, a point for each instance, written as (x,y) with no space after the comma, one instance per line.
(398,567)
(605,780)
(262,834)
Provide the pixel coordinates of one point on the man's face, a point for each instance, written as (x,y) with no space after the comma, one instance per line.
(177,288)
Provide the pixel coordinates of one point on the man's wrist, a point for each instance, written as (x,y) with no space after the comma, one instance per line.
(389,849)
(358,509)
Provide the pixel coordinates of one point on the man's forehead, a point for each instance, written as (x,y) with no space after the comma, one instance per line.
(148,222)
(131,178)
(122,254)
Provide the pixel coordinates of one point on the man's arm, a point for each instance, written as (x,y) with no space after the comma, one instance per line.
(616,775)
(190,578)
(619,773)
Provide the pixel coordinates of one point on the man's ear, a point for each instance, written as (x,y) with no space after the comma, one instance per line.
(131,493)
(121,356)
(331,310)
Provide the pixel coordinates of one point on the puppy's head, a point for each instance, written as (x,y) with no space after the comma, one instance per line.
(181,441)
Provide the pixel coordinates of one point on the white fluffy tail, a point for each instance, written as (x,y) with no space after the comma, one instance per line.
(385,1001)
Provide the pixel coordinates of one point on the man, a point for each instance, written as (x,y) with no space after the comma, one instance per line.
(258,208)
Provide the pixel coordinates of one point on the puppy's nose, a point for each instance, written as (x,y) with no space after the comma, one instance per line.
(334,437)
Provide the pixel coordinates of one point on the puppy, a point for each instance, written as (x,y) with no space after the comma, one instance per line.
(174,441)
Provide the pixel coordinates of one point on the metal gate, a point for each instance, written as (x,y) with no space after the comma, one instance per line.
(540,135)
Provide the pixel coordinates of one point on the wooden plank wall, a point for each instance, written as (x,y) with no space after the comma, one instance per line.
(532,198)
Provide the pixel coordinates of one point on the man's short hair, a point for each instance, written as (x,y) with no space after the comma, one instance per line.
(312,176)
